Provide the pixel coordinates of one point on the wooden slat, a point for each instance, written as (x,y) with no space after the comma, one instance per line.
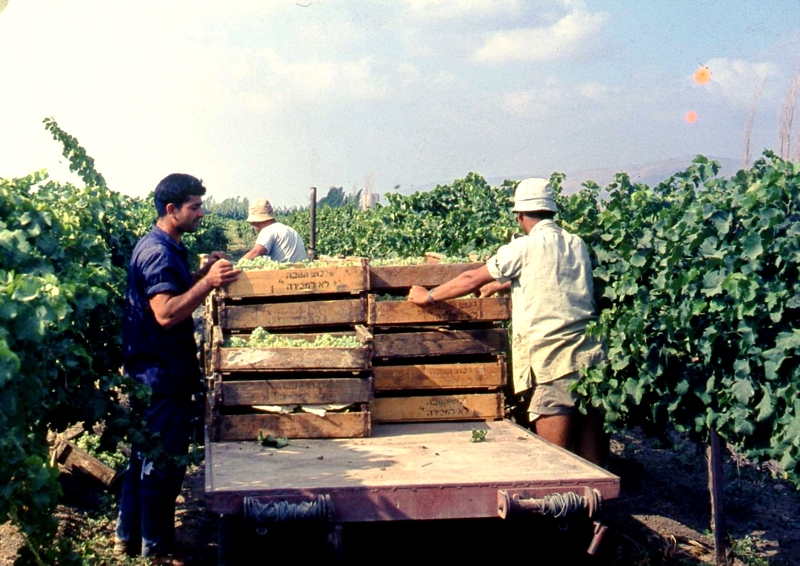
(385,313)
(294,425)
(76,459)
(344,390)
(283,359)
(294,315)
(486,406)
(441,376)
(299,281)
(360,334)
(440,343)
(426,275)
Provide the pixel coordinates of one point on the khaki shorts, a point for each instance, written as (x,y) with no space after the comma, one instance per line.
(554,398)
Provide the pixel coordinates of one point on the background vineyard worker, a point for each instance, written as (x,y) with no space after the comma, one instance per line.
(550,277)
(277,241)
(160,351)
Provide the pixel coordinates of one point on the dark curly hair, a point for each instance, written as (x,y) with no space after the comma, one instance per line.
(176,189)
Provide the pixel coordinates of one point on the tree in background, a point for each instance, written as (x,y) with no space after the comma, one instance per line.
(235,208)
(336,198)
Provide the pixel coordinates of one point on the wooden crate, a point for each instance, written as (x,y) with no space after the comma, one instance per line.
(487,375)
(295,425)
(299,281)
(303,391)
(389,313)
(289,359)
(440,342)
(294,315)
(480,406)
(425,275)
(224,359)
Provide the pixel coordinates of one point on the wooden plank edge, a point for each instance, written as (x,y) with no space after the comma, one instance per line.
(294,425)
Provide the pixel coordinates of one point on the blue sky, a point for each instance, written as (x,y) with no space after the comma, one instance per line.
(268,98)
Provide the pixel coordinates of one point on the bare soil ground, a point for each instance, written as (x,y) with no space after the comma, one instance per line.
(661,517)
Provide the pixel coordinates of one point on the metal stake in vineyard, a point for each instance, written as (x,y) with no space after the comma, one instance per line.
(312,239)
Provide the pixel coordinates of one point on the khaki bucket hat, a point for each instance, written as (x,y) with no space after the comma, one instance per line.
(260,211)
(534,195)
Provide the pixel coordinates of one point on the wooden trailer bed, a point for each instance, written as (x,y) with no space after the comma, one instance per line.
(419,471)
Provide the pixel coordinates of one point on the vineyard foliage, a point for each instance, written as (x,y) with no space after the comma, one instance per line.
(65,251)
(696,279)
(466,217)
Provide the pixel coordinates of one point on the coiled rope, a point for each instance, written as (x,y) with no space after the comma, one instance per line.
(320,510)
(561,504)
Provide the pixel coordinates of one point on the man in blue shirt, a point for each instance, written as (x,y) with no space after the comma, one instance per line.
(160,351)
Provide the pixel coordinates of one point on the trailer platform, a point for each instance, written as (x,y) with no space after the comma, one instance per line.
(420,471)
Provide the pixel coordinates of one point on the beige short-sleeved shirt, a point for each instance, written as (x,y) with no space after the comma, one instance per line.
(552,297)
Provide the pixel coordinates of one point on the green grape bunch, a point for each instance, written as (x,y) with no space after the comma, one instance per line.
(264,263)
(386,298)
(260,338)
(405,261)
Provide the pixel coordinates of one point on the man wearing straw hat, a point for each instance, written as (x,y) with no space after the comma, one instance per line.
(550,276)
(277,241)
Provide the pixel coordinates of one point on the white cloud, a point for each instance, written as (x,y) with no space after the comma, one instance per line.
(444,78)
(598,92)
(517,103)
(563,39)
(409,74)
(737,80)
(548,95)
(539,100)
(312,80)
(458,9)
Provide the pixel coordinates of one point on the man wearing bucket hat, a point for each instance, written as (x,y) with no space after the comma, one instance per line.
(550,276)
(277,241)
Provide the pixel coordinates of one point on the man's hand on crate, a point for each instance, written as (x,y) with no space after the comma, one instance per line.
(219,268)
(420,296)
(222,273)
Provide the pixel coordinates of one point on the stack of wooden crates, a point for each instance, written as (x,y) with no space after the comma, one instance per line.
(259,390)
(442,362)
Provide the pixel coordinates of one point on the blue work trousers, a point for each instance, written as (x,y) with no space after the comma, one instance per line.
(151,486)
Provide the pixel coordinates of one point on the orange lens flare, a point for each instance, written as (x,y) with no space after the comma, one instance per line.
(691,117)
(702,75)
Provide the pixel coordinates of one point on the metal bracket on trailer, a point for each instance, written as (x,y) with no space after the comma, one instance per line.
(548,502)
(261,514)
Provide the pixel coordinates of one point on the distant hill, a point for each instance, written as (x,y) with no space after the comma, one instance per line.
(648,173)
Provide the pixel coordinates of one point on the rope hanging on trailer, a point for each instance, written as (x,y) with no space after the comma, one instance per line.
(561,504)
(320,510)
(556,505)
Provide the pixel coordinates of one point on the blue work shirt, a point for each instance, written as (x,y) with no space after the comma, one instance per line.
(163,358)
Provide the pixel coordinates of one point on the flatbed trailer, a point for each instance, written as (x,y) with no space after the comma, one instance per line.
(421,471)
(404,472)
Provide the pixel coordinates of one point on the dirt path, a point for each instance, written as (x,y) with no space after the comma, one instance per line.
(661,517)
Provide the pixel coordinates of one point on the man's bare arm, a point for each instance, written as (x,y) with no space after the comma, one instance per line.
(171,309)
(257,250)
(494,287)
(464,284)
